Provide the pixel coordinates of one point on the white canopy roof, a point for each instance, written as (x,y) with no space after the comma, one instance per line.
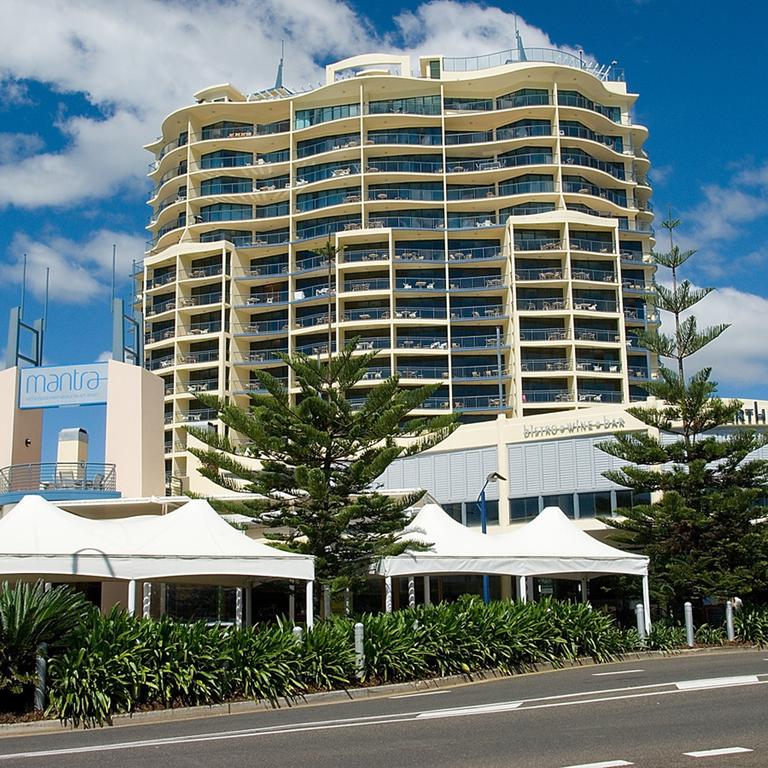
(455,548)
(37,539)
(550,545)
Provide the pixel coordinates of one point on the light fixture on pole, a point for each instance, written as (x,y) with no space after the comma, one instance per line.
(492,478)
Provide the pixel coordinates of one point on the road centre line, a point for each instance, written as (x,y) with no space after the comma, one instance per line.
(619,672)
(603,764)
(499,707)
(716,682)
(716,752)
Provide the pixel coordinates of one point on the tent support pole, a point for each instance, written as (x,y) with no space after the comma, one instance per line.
(388,594)
(239,607)
(411,592)
(427,593)
(248,605)
(132,597)
(326,602)
(146,600)
(646,604)
(292,603)
(310,605)
(521,589)
(163,598)
(529,588)
(584,589)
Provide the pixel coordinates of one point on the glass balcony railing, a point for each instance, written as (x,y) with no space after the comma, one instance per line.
(161,334)
(419,254)
(539,273)
(377,374)
(547,396)
(379,221)
(527,187)
(477,342)
(161,362)
(419,105)
(539,244)
(404,137)
(642,314)
(261,327)
(310,263)
(468,105)
(598,365)
(494,164)
(614,169)
(422,372)
(544,334)
(630,255)
(522,131)
(548,304)
(422,342)
(473,372)
(616,143)
(598,396)
(226,132)
(436,403)
(382,165)
(597,334)
(318,146)
(475,221)
(482,253)
(264,297)
(587,304)
(205,270)
(199,329)
(367,284)
(199,385)
(545,365)
(335,197)
(420,283)
(256,356)
(405,193)
(635,285)
(158,280)
(616,196)
(595,275)
(314,291)
(575,99)
(595,246)
(200,299)
(420,313)
(161,306)
(638,372)
(477,402)
(369,254)
(325,171)
(201,356)
(366,314)
(327,228)
(314,319)
(203,414)
(263,270)
(482,282)
(259,239)
(468,137)
(472,193)
(476,313)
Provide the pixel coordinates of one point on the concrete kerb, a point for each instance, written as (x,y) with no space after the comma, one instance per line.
(350,694)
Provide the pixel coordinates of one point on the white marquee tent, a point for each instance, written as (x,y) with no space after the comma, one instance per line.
(192,543)
(549,546)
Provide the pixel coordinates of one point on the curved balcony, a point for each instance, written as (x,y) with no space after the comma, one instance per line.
(383,165)
(382,221)
(420,283)
(421,342)
(58,481)
(419,254)
(481,253)
(477,342)
(367,284)
(539,244)
(615,196)
(420,313)
(406,193)
(411,138)
(481,283)
(468,165)
(477,312)
(369,254)
(475,372)
(260,356)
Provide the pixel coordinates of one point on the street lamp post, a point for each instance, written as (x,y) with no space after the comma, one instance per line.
(492,478)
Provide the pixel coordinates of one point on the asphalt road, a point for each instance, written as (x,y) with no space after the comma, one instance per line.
(652,712)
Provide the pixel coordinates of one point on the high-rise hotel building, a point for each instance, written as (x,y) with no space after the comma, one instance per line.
(492,213)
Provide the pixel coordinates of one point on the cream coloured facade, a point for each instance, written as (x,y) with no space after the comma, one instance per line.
(495,222)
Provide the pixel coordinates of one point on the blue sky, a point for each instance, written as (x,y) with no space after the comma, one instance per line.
(83,84)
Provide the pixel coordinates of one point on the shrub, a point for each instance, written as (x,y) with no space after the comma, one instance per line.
(751,626)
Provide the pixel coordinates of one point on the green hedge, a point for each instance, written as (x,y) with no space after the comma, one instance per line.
(117,663)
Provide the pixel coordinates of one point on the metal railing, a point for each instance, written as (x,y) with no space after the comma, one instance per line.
(58,476)
(547,396)
(544,334)
(476,312)
(545,364)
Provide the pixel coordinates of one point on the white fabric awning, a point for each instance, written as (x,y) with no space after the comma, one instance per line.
(455,548)
(37,539)
(550,545)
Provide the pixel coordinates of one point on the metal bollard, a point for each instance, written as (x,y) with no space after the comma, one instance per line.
(729,630)
(359,651)
(297,633)
(688,608)
(41,669)
(640,617)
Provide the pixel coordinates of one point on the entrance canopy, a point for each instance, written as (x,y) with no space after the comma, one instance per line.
(455,549)
(551,545)
(192,543)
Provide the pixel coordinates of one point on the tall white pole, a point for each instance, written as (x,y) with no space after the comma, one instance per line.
(239,607)
(521,589)
(310,605)
(646,604)
(132,597)
(388,594)
(146,601)
(427,592)
(292,603)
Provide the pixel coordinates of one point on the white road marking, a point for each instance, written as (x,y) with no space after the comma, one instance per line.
(604,764)
(619,672)
(414,695)
(716,682)
(716,752)
(479,709)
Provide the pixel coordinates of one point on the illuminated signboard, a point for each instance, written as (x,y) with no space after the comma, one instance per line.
(54,386)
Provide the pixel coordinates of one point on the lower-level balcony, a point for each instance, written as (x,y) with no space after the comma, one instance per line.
(58,481)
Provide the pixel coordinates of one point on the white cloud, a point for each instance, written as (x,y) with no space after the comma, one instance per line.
(104,356)
(14,94)
(17,146)
(80,270)
(136,62)
(735,357)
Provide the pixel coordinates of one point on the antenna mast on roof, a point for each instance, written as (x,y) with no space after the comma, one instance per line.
(279,78)
(520,47)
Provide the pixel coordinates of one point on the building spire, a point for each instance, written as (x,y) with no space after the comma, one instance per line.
(520,47)
(279,78)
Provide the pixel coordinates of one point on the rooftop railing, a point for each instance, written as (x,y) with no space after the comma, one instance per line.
(72,476)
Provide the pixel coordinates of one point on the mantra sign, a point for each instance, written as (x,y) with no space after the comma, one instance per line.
(51,387)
